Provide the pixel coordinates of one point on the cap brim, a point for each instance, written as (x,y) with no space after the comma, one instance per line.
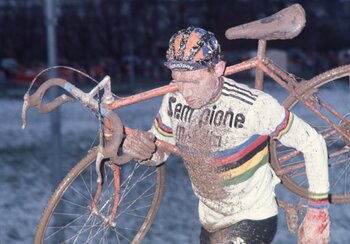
(184,65)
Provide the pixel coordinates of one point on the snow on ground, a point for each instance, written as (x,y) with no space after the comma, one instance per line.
(27,175)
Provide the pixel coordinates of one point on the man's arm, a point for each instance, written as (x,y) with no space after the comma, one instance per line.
(291,131)
(270,118)
(162,129)
(141,144)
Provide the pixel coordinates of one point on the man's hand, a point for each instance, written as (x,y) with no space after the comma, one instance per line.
(139,145)
(315,226)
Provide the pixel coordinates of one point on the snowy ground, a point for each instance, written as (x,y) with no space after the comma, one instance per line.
(27,176)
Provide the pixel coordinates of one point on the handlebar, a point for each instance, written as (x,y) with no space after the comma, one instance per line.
(87,99)
(37,97)
(113,124)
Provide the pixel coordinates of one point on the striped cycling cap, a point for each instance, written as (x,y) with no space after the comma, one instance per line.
(192,49)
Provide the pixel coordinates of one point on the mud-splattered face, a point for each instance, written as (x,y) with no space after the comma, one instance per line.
(195,86)
(198,86)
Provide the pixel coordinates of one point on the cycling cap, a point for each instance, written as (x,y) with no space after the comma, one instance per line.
(192,49)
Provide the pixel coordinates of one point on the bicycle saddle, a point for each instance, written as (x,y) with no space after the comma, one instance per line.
(285,24)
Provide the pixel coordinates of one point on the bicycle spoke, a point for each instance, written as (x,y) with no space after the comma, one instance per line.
(329,94)
(340,175)
(89,190)
(81,194)
(60,228)
(136,199)
(72,220)
(141,178)
(73,203)
(121,235)
(83,230)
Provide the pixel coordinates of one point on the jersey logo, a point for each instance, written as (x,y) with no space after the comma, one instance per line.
(209,116)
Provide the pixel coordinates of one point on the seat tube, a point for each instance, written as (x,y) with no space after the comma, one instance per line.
(259,74)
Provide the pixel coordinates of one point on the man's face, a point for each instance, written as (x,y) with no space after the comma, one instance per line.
(196,86)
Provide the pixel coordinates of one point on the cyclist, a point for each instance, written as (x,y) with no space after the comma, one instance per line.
(224,127)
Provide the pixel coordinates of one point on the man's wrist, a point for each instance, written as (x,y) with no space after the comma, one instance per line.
(318,201)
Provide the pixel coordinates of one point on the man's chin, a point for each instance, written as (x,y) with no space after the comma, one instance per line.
(196,106)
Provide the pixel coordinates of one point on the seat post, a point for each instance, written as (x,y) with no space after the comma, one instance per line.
(259,74)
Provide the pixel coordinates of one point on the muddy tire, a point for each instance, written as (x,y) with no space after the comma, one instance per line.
(67,217)
(331,88)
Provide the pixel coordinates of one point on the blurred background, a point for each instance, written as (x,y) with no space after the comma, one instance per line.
(127,40)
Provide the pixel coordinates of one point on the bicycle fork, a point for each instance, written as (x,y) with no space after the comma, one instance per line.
(107,138)
(93,207)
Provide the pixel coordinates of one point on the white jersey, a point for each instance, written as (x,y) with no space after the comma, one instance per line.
(232,178)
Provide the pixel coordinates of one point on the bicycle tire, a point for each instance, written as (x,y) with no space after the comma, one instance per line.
(296,181)
(102,231)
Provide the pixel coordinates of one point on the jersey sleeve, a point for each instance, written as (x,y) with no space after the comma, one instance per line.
(268,117)
(162,129)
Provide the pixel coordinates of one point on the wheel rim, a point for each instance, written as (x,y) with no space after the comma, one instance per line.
(339,166)
(71,221)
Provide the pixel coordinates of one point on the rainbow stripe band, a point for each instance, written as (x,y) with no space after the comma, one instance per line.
(162,128)
(242,153)
(318,204)
(246,158)
(238,164)
(284,126)
(318,196)
(244,172)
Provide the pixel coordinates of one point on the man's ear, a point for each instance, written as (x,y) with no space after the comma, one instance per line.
(220,68)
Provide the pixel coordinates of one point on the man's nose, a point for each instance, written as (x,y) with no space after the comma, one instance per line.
(186,91)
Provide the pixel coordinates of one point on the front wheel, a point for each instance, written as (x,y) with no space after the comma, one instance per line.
(67,217)
(328,91)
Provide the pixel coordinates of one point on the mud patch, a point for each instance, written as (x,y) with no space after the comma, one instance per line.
(201,168)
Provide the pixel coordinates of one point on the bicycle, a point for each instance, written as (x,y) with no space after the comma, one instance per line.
(108,208)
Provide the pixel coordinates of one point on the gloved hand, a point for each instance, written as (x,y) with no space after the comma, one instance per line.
(315,226)
(139,145)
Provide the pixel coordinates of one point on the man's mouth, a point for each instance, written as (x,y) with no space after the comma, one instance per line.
(190,101)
